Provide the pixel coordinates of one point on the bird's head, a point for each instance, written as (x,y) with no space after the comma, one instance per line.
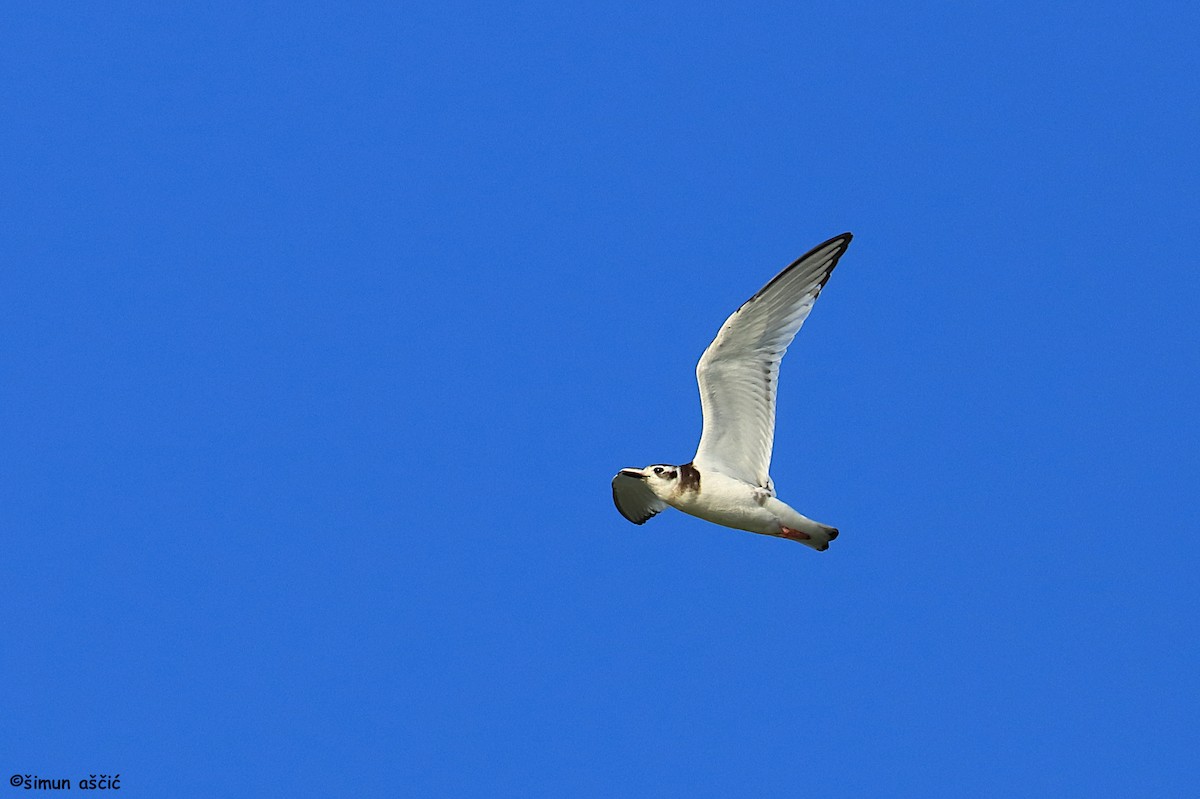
(660,478)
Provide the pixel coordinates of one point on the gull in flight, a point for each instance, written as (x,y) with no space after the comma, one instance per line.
(727,482)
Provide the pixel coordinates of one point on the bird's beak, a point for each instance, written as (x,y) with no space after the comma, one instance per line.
(633,473)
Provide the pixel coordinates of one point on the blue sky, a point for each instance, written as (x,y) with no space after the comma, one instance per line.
(325,327)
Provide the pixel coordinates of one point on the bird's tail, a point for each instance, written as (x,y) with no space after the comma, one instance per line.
(810,533)
(821,537)
(799,527)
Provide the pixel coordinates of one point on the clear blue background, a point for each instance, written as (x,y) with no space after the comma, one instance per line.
(323,328)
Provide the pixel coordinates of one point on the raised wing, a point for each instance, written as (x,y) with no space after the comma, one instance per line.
(739,371)
(634,498)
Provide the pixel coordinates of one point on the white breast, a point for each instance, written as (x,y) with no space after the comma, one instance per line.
(729,502)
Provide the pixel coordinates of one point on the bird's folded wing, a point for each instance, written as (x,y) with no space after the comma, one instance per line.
(634,499)
(739,371)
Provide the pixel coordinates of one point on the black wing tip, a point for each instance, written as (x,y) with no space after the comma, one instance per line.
(844,238)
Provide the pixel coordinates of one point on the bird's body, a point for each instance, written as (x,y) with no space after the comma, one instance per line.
(727,483)
(734,503)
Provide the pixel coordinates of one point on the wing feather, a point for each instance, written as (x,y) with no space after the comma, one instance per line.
(634,499)
(739,372)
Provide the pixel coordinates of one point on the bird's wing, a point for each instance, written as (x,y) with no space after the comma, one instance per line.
(634,498)
(739,371)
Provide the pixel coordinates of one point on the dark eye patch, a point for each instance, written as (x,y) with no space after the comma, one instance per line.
(672,475)
(658,470)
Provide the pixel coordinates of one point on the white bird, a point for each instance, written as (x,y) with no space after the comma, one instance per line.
(727,481)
